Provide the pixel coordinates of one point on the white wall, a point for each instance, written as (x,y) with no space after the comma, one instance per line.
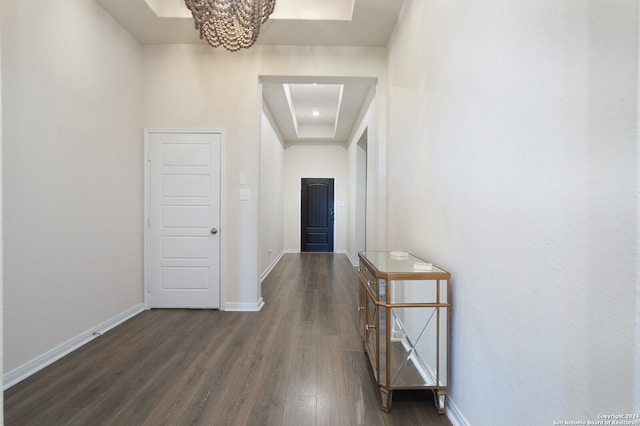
(314,160)
(637,380)
(271,197)
(72,167)
(196,86)
(375,202)
(1,245)
(512,163)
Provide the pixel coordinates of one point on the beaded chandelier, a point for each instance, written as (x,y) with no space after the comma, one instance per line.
(233,24)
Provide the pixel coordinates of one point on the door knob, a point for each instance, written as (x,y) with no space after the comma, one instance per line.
(214,231)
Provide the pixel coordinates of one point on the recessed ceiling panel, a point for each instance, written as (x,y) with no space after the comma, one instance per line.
(294,22)
(325,10)
(169,8)
(316,104)
(339,102)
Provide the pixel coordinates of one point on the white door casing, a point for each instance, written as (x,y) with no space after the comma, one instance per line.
(182,193)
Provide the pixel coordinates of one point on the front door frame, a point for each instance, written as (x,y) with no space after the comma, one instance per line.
(147,205)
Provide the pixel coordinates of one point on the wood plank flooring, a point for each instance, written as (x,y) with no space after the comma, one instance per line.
(299,361)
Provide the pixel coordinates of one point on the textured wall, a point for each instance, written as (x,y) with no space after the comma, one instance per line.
(1,244)
(72,169)
(271,199)
(512,163)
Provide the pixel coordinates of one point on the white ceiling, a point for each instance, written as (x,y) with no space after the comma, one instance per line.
(293,22)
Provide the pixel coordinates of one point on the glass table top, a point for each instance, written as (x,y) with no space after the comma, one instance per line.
(395,262)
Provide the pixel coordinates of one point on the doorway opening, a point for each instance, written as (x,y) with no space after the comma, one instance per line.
(361,194)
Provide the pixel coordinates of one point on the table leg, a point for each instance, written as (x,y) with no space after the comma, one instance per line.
(386,396)
(441,400)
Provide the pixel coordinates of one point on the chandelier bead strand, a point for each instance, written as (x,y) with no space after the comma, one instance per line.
(233,24)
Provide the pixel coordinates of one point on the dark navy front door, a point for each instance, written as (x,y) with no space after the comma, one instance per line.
(317,215)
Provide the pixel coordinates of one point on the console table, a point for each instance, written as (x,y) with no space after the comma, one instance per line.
(404,323)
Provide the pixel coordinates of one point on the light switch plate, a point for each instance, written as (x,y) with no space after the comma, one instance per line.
(245,194)
(243,178)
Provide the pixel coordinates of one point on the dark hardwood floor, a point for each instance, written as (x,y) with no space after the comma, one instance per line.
(299,361)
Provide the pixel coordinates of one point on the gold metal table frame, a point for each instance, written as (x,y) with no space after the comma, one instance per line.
(404,324)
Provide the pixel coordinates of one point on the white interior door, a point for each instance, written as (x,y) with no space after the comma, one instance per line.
(184,219)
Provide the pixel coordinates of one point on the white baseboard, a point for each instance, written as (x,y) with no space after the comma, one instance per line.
(454,414)
(266,273)
(297,251)
(354,261)
(244,307)
(37,364)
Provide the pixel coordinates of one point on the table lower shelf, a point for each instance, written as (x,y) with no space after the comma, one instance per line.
(440,399)
(405,376)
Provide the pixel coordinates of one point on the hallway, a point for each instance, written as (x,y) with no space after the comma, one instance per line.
(297,362)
